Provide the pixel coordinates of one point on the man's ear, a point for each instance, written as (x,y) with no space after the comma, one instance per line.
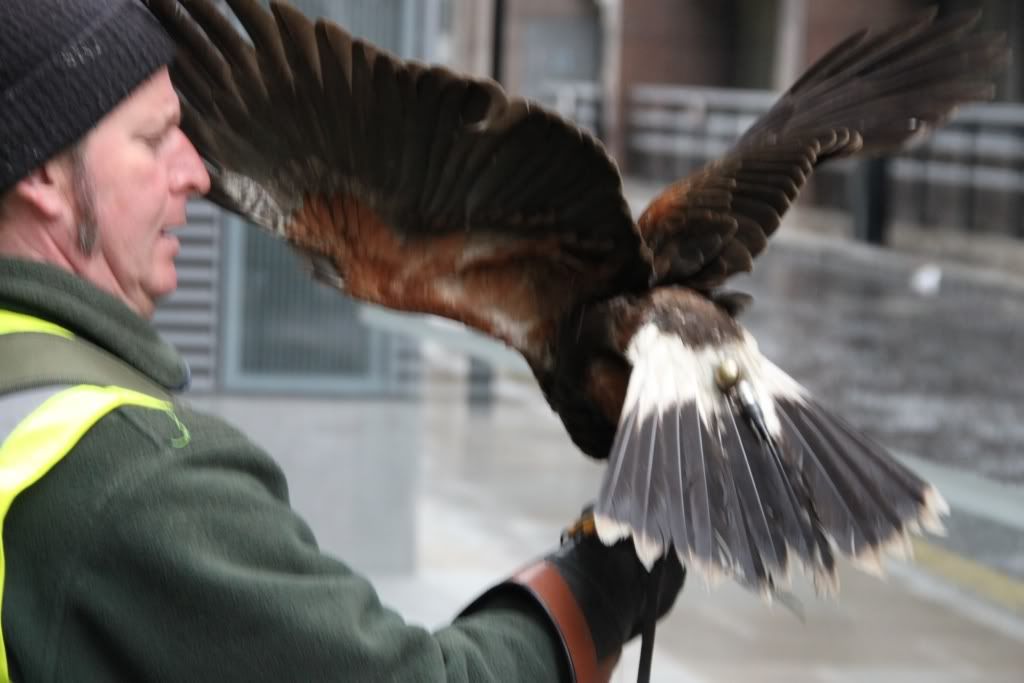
(46,190)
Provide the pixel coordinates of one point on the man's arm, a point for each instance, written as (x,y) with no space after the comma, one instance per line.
(141,558)
(204,572)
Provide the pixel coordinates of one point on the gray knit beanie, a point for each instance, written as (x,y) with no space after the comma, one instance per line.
(64,64)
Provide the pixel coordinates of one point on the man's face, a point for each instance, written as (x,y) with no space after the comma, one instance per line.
(139,171)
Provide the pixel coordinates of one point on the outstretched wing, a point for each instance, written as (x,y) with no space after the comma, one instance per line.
(868,94)
(407,185)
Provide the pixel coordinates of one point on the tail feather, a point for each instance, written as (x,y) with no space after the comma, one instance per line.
(847,505)
(639,487)
(681,526)
(788,528)
(759,543)
(907,495)
(691,471)
(866,499)
(790,496)
(703,504)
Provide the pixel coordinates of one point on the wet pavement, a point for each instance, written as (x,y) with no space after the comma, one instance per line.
(937,374)
(436,500)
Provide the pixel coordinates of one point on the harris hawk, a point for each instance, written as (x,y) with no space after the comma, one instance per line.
(419,189)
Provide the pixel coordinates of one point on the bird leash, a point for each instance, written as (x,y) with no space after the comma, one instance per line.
(738,390)
(650,623)
(584,526)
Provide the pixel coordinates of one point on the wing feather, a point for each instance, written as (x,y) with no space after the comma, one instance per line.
(869,94)
(309,131)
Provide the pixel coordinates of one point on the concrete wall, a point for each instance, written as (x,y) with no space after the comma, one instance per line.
(729,43)
(550,40)
(724,43)
(830,21)
(665,41)
(472,36)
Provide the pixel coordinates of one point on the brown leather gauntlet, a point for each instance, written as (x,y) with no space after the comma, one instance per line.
(543,582)
(596,597)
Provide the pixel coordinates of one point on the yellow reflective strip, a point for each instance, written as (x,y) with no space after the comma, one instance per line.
(43,438)
(11,322)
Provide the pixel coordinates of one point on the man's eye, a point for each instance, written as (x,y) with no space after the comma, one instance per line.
(154,141)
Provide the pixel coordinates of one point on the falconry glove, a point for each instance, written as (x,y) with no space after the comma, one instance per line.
(597,597)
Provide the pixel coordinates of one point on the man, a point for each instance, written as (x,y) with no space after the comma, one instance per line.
(143,541)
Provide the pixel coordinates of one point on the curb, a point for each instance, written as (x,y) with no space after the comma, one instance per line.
(987,583)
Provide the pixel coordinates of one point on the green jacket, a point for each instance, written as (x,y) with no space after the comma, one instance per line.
(136,560)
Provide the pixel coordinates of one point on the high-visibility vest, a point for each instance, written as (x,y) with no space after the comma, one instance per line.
(39,425)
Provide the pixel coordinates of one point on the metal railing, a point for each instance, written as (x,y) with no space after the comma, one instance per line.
(969,174)
(971,170)
(673,130)
(578,101)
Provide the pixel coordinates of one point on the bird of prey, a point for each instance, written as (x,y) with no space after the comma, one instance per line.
(419,189)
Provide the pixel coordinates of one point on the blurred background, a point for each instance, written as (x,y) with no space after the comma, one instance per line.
(425,456)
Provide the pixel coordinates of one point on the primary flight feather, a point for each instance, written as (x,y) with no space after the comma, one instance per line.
(422,190)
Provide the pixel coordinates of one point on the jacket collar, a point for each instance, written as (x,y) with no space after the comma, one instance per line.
(53,294)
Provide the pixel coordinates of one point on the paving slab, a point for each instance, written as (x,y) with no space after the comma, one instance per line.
(436,500)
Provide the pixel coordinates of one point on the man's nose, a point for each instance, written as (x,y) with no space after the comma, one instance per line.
(189,175)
